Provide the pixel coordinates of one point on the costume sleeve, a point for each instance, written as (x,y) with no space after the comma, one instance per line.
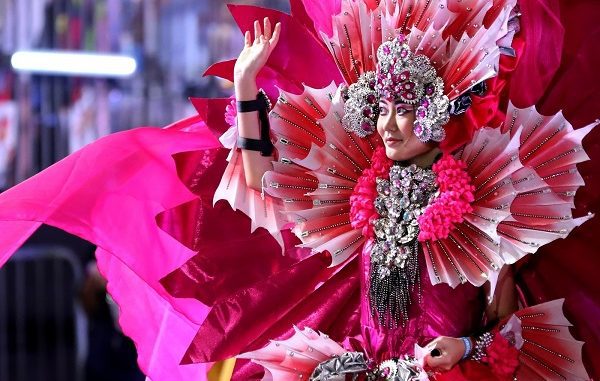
(532,344)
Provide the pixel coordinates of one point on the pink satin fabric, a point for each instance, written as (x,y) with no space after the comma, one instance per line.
(542,33)
(316,15)
(569,268)
(110,193)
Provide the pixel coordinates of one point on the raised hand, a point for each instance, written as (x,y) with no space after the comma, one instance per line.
(256,52)
(252,59)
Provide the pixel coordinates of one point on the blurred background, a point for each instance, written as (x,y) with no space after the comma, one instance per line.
(56,321)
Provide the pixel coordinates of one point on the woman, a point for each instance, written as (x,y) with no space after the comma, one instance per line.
(427,321)
(326,183)
(394,125)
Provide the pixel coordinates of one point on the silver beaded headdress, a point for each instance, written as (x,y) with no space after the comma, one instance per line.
(401,75)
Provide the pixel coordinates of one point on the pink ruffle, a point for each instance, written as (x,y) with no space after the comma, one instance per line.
(231,113)
(454,201)
(502,357)
(362,207)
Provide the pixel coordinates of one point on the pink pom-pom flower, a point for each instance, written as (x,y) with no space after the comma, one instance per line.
(231,113)
(453,202)
(362,206)
(502,357)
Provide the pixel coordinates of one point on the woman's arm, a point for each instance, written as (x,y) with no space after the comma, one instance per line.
(251,60)
(450,350)
(504,300)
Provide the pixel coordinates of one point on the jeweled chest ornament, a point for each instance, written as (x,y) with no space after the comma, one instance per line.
(400,201)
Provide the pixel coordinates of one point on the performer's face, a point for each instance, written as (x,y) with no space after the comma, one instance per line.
(395,125)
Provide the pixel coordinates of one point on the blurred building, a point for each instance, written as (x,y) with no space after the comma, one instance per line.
(43,118)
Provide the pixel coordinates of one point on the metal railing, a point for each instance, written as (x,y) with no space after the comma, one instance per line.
(43,330)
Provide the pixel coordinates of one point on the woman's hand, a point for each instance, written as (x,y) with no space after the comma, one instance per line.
(256,53)
(447,350)
(251,60)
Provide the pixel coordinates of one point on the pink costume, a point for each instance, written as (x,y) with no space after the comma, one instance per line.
(201,280)
(442,311)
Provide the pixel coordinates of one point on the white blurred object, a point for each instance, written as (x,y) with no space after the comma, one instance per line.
(74,63)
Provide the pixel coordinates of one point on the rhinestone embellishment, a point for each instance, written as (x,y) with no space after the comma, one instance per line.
(394,262)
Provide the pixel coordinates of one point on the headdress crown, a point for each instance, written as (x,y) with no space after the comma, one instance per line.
(404,76)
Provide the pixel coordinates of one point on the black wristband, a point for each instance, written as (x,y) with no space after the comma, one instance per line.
(264,146)
(259,104)
(262,105)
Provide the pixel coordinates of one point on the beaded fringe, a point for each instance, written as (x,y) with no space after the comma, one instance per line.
(390,289)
